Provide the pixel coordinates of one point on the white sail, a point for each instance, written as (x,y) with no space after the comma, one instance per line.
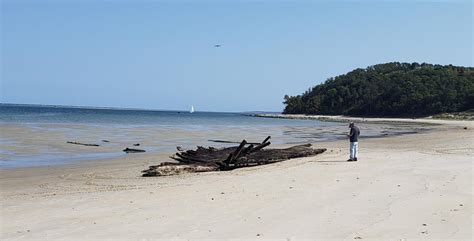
(192,109)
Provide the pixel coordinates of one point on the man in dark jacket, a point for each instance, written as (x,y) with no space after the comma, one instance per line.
(354,139)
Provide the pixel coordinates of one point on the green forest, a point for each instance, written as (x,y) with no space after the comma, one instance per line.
(391,90)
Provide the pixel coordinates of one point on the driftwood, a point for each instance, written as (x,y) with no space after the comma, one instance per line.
(82,144)
(212,159)
(132,150)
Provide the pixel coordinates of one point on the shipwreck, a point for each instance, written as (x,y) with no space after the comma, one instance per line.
(224,159)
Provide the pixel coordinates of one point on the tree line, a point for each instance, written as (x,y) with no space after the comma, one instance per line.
(390,89)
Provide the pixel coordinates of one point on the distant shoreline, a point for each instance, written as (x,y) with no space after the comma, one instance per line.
(341,118)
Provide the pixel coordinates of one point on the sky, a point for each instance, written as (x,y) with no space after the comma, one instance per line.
(161,54)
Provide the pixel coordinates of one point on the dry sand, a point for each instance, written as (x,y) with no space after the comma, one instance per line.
(411,187)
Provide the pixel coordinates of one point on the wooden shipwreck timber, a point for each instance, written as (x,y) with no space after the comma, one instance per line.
(223,159)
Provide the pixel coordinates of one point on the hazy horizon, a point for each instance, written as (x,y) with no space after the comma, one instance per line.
(127,108)
(161,55)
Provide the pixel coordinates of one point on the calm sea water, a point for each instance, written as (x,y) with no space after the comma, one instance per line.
(46,114)
(37,135)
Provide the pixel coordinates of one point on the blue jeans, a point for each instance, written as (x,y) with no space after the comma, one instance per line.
(353,150)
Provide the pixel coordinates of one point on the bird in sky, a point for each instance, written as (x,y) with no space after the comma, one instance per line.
(217,46)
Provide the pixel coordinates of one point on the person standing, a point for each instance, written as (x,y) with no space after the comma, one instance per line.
(354,141)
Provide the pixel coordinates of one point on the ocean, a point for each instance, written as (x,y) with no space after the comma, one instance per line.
(33,135)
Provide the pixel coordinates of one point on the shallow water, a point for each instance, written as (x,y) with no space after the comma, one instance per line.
(37,136)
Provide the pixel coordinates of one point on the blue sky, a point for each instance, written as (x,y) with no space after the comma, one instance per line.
(160,54)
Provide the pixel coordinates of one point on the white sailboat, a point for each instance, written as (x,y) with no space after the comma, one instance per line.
(192,109)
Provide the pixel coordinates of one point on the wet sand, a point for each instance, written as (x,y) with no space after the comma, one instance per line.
(407,187)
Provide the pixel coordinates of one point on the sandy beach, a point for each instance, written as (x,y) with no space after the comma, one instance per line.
(408,187)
